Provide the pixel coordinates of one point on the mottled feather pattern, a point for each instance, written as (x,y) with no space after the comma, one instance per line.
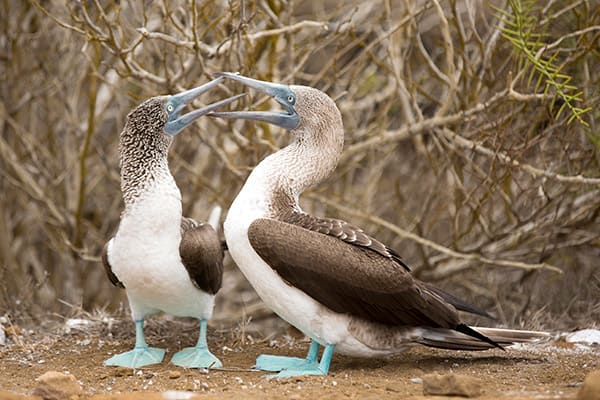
(143,149)
(344,231)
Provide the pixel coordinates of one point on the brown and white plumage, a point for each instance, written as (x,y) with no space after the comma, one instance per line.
(325,276)
(153,237)
(164,261)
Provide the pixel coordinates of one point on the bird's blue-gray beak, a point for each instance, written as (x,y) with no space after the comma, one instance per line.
(176,103)
(283,94)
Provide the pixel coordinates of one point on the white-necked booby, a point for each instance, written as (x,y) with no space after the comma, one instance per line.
(164,261)
(339,286)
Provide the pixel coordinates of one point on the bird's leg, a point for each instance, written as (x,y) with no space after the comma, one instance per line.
(271,363)
(312,368)
(141,354)
(198,356)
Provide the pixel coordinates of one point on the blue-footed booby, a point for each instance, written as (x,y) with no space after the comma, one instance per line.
(342,288)
(165,262)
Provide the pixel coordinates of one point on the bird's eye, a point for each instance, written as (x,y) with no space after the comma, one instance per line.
(291,99)
(170,108)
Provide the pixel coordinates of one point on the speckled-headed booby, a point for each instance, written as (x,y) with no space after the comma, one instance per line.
(342,288)
(164,261)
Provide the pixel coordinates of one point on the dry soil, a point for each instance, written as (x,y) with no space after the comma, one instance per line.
(551,370)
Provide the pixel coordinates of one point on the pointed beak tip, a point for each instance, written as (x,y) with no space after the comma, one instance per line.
(225,74)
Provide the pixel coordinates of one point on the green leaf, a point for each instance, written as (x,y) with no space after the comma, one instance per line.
(521,29)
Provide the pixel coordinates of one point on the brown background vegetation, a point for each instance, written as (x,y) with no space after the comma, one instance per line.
(452,156)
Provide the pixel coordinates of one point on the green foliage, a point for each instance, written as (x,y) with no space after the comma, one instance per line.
(521,28)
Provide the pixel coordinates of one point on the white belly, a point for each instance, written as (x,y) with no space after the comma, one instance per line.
(145,257)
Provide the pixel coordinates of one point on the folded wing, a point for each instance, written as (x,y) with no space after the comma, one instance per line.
(349,278)
(201,253)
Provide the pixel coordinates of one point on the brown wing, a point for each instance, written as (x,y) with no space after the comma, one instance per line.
(201,253)
(344,231)
(111,275)
(347,278)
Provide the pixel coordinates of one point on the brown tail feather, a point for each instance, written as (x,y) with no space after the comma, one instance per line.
(453,340)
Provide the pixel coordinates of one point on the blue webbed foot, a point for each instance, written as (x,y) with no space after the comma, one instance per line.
(196,357)
(293,366)
(136,358)
(307,369)
(266,362)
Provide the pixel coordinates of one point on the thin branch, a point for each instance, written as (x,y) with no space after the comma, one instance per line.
(433,245)
(33,188)
(212,51)
(60,23)
(505,159)
(407,131)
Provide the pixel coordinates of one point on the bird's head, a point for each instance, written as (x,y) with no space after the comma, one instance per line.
(308,113)
(151,126)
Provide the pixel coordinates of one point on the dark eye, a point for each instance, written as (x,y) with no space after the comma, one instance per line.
(170,108)
(291,99)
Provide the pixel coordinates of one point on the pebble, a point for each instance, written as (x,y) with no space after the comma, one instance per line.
(591,387)
(393,388)
(451,385)
(586,336)
(174,374)
(55,385)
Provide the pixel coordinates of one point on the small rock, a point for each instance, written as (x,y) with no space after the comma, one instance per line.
(587,336)
(2,336)
(393,388)
(174,374)
(591,387)
(55,385)
(451,385)
(76,323)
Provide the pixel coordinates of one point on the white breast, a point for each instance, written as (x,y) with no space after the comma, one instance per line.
(144,256)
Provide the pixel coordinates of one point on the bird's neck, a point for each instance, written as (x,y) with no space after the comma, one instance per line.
(141,178)
(283,176)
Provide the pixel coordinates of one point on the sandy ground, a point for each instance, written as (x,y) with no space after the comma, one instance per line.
(551,370)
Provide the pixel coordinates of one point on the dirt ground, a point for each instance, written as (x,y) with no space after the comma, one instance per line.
(553,370)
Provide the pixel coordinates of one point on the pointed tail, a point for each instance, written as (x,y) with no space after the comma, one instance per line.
(454,340)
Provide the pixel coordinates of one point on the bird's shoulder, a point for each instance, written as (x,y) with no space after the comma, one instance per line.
(344,231)
(201,253)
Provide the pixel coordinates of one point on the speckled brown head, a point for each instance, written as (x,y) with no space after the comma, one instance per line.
(148,133)
(144,144)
